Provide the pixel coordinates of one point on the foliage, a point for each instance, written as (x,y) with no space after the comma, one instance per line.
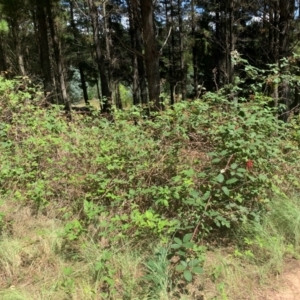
(188,264)
(199,166)
(182,176)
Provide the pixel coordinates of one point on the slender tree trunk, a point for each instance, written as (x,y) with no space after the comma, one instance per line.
(194,52)
(106,93)
(181,53)
(18,50)
(151,52)
(169,26)
(286,8)
(135,73)
(58,56)
(140,94)
(3,66)
(117,95)
(80,65)
(44,50)
(83,84)
(232,40)
(108,43)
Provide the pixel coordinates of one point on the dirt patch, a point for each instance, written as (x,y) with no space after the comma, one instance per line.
(286,286)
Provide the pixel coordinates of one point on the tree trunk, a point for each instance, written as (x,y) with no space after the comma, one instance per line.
(194,52)
(3,66)
(181,53)
(287,9)
(80,65)
(151,52)
(18,50)
(58,57)
(139,76)
(44,50)
(106,93)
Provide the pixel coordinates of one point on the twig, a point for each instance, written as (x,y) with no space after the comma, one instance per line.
(162,47)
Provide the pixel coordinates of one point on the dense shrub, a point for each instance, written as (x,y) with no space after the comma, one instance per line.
(196,167)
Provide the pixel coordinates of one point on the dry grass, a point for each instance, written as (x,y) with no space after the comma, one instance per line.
(34,261)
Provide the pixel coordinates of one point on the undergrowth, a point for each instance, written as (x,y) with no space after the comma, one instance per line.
(87,201)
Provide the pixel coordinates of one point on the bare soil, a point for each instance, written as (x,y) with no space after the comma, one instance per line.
(286,286)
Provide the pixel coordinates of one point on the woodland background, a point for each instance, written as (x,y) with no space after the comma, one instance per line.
(141,50)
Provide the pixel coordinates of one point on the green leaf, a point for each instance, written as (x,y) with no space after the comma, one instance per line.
(188,275)
(194,194)
(225,190)
(197,270)
(216,160)
(178,241)
(212,154)
(187,237)
(175,246)
(194,262)
(188,245)
(183,263)
(220,178)
(180,268)
(233,166)
(231,181)
(206,196)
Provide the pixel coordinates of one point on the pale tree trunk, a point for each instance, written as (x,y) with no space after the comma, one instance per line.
(151,52)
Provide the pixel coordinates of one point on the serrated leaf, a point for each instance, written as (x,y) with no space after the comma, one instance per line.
(231,181)
(241,170)
(225,190)
(187,237)
(220,178)
(188,275)
(197,270)
(181,253)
